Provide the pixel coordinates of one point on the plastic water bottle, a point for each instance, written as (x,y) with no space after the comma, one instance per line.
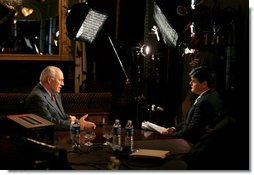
(110,163)
(117,133)
(75,135)
(129,131)
(71,125)
(113,163)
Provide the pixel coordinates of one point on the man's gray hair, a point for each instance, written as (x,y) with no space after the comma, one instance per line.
(49,71)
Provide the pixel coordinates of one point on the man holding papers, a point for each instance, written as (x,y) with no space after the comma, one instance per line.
(204,113)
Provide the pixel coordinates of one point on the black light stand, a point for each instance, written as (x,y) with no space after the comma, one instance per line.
(120,62)
(133,88)
(131,97)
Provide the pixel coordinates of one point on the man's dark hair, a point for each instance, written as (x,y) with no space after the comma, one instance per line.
(202,74)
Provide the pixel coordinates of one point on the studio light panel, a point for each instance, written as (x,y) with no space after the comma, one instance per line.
(91,26)
(169,35)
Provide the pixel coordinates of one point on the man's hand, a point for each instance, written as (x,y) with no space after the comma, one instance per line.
(168,131)
(83,123)
(72,118)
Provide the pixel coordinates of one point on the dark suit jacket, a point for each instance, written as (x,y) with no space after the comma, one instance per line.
(202,114)
(39,102)
(215,149)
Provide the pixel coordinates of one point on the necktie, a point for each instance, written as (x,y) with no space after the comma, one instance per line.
(53,97)
(197,99)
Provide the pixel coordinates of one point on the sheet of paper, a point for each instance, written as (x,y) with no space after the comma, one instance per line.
(151,126)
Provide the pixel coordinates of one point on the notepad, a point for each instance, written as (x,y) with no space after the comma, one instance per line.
(150,153)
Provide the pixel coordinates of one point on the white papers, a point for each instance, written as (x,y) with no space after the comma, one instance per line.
(151,126)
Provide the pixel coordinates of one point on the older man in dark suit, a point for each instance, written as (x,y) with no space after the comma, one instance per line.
(45,100)
(204,113)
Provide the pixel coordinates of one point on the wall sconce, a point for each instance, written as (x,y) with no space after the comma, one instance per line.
(27,11)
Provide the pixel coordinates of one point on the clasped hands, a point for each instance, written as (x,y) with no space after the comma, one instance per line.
(83,123)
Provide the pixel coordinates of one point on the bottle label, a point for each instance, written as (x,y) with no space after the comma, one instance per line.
(117,131)
(75,129)
(129,131)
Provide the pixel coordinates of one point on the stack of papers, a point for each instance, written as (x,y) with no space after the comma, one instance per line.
(149,153)
(151,126)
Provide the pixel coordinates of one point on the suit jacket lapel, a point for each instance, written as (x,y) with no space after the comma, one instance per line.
(190,114)
(53,104)
(59,104)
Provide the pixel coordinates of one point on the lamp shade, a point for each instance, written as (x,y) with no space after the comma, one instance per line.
(83,23)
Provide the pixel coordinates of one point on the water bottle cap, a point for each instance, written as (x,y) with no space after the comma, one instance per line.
(76,128)
(129,122)
(112,158)
(117,162)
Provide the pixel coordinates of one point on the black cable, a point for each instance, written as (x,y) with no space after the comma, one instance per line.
(94,147)
(97,165)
